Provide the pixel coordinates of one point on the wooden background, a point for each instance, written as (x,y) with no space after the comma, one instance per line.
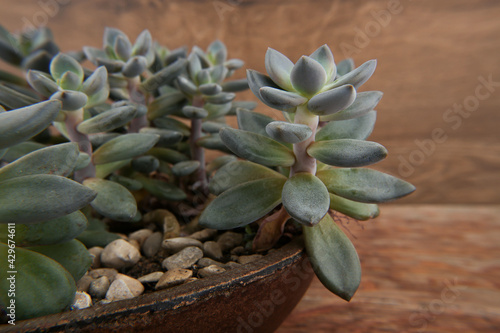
(431,55)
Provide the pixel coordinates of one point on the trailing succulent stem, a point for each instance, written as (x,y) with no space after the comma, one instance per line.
(304,162)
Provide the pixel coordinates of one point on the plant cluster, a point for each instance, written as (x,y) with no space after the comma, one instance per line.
(79,146)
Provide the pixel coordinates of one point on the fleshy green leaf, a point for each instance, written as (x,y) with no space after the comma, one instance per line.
(253,121)
(167,137)
(212,142)
(71,100)
(134,66)
(364,185)
(239,172)
(210,89)
(212,126)
(103,170)
(235,85)
(123,48)
(257,80)
(112,200)
(357,210)
(279,67)
(38,198)
(19,150)
(59,160)
(287,132)
(332,101)
(324,56)
(14,99)
(160,106)
(63,63)
(164,76)
(357,76)
(161,189)
(365,102)
(41,83)
(219,162)
(257,148)
(54,231)
(344,67)
(168,155)
(221,98)
(173,125)
(358,128)
(308,76)
(333,258)
(21,124)
(243,204)
(306,198)
(280,99)
(40,296)
(347,152)
(108,120)
(72,255)
(124,147)
(96,87)
(193,112)
(145,164)
(185,168)
(69,81)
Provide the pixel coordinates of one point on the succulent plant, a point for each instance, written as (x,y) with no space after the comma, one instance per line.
(307,168)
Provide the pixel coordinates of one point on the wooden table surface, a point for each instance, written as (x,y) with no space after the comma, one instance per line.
(426,268)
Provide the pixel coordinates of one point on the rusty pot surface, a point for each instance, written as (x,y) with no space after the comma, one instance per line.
(256,297)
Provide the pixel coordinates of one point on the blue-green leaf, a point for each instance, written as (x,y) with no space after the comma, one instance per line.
(286,132)
(280,99)
(357,210)
(124,147)
(308,76)
(358,128)
(347,152)
(332,101)
(365,102)
(279,67)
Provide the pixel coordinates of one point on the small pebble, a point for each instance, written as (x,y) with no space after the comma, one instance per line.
(110,273)
(134,285)
(229,240)
(84,283)
(120,254)
(250,258)
(118,290)
(204,235)
(82,300)
(239,250)
(173,277)
(151,277)
(183,259)
(212,250)
(210,270)
(152,244)
(135,244)
(140,235)
(204,262)
(174,245)
(95,252)
(99,287)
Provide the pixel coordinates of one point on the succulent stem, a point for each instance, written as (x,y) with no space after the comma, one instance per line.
(304,162)
(197,152)
(137,96)
(73,119)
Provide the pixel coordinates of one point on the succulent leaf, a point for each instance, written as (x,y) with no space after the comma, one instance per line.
(308,76)
(161,189)
(21,124)
(144,45)
(239,172)
(49,197)
(257,80)
(72,255)
(257,148)
(193,112)
(92,54)
(235,85)
(168,155)
(358,128)
(364,185)
(357,210)
(63,63)
(160,106)
(286,132)
(145,164)
(357,76)
(59,160)
(111,35)
(280,99)
(305,198)
(173,125)
(212,126)
(42,83)
(186,86)
(243,204)
(124,147)
(324,56)
(52,294)
(253,122)
(333,258)
(212,142)
(108,120)
(167,137)
(112,200)
(218,73)
(344,67)
(279,67)
(365,102)
(185,168)
(332,101)
(71,100)
(14,99)
(54,231)
(104,170)
(112,65)
(221,98)
(210,89)
(347,152)
(164,76)
(69,81)
(134,66)
(122,48)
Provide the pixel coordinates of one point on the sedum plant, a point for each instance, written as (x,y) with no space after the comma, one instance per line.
(308,168)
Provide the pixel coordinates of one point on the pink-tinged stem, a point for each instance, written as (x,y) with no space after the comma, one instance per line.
(138,97)
(197,152)
(72,120)
(304,162)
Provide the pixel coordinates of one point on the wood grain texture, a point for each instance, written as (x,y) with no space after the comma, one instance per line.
(431,56)
(426,268)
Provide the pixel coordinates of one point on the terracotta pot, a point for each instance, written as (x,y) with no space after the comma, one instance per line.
(256,297)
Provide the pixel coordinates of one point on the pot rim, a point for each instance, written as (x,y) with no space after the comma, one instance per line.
(169,299)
